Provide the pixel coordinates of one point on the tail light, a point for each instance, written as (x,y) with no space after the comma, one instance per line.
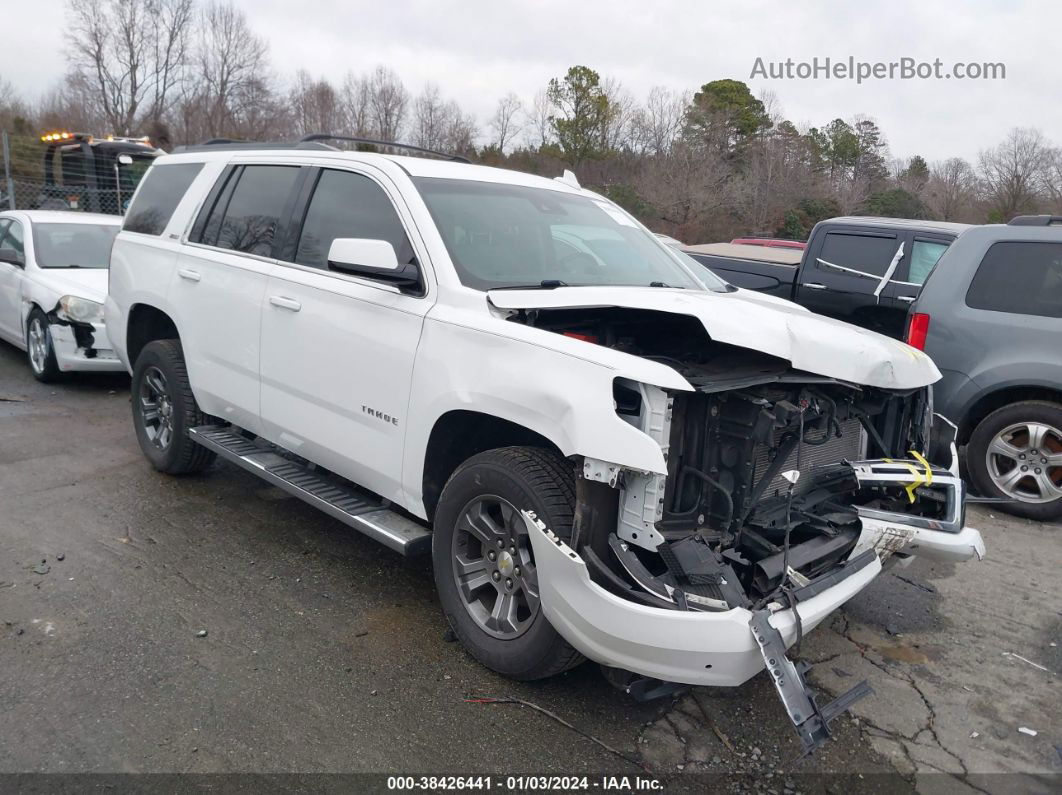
(917,329)
(575,335)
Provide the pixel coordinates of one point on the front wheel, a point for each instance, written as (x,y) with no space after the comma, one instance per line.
(1016,452)
(164,408)
(39,349)
(484,563)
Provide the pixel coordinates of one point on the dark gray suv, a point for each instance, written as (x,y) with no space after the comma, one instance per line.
(990,316)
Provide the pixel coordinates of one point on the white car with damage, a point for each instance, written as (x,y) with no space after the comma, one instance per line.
(611,454)
(53,280)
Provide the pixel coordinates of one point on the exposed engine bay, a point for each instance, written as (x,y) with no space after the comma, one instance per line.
(760,467)
(780,486)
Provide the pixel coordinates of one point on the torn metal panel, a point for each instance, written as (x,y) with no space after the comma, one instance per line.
(811,722)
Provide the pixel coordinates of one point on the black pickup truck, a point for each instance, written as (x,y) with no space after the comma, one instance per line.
(866,271)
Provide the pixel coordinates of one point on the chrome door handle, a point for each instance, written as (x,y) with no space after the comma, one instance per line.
(190,275)
(814,286)
(907,299)
(285,303)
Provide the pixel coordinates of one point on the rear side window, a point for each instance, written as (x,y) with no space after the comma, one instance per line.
(867,254)
(345,204)
(924,256)
(247,212)
(1022,278)
(160,193)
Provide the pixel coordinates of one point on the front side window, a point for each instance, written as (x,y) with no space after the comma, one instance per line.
(514,236)
(164,187)
(345,204)
(868,254)
(1023,278)
(924,256)
(247,213)
(73,245)
(13,241)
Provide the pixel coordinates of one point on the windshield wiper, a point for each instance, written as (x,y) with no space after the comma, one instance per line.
(545,284)
(663,284)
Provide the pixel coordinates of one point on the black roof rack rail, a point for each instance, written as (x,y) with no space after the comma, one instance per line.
(228,143)
(1035,220)
(315,137)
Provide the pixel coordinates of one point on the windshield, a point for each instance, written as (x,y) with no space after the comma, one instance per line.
(73,245)
(503,236)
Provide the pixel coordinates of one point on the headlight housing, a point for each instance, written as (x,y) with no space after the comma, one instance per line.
(79,310)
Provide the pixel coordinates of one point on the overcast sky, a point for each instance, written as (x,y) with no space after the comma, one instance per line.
(476,50)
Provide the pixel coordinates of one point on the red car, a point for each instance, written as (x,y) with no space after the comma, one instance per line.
(769,242)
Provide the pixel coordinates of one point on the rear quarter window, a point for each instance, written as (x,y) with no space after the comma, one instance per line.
(161,191)
(1022,278)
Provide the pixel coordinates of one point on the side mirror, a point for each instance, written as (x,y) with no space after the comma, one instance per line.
(125,160)
(12,257)
(372,259)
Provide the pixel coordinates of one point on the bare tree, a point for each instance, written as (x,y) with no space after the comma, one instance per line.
(355,103)
(315,105)
(951,190)
(388,103)
(428,124)
(655,127)
(1014,171)
(132,53)
(232,66)
(505,123)
(539,131)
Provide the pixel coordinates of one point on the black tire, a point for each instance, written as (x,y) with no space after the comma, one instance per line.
(177,454)
(528,478)
(47,370)
(981,470)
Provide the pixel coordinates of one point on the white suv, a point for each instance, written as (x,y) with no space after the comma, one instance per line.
(610,452)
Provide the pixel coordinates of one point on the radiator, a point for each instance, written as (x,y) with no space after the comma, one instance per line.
(850,446)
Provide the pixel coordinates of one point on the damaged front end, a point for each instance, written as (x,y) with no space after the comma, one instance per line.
(785,494)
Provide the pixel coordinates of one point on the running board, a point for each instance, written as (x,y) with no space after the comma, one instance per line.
(347,503)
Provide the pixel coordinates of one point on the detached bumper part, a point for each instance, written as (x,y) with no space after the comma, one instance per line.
(695,648)
(811,722)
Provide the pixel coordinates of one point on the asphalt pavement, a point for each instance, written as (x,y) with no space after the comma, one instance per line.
(211,624)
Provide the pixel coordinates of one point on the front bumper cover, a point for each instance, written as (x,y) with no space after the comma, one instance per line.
(71,354)
(695,648)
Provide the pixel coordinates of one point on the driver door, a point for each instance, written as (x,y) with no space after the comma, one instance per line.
(337,350)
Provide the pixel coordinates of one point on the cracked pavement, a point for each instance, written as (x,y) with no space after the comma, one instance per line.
(325,652)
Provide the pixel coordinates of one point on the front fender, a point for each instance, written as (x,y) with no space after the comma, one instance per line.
(566,399)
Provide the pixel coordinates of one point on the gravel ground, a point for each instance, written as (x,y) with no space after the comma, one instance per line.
(326,653)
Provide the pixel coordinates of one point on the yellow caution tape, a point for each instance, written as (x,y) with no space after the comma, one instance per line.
(929,469)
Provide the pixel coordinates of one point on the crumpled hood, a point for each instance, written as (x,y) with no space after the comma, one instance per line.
(810,342)
(90,283)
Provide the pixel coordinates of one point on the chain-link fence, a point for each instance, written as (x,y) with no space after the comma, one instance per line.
(67,173)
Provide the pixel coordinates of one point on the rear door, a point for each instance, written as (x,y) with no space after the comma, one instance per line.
(220,284)
(337,349)
(842,272)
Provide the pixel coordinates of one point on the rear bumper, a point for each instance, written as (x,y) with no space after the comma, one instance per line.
(696,648)
(73,356)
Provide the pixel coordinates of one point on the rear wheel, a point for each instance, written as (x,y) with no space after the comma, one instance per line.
(484,564)
(1016,452)
(164,408)
(39,349)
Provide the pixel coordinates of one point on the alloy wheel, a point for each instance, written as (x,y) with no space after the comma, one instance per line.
(156,407)
(1025,462)
(38,345)
(494,567)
